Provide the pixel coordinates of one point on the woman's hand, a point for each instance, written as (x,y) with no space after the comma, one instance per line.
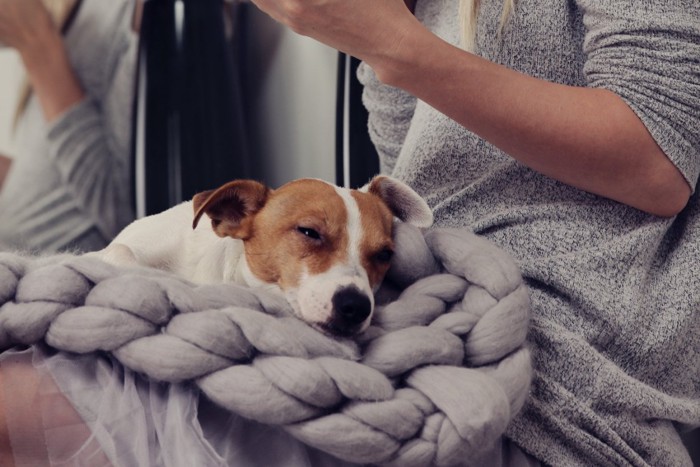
(367,29)
(25,25)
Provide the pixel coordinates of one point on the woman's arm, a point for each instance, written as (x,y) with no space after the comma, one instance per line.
(588,138)
(585,137)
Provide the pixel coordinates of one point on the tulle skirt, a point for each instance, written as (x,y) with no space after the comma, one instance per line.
(65,410)
(72,410)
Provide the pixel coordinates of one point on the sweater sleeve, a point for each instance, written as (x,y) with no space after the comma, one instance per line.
(390,112)
(648,53)
(90,142)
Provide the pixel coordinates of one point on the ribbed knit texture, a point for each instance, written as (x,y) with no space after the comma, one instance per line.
(615,291)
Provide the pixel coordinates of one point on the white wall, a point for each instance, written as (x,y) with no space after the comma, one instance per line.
(292,94)
(11,75)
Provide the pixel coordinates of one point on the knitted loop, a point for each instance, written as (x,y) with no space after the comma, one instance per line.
(435,379)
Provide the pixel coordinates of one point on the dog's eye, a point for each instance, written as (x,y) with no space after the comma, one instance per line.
(311,233)
(384,256)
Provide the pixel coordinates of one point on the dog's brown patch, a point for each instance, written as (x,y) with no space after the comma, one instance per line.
(277,251)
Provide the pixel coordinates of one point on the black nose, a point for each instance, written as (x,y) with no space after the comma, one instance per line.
(351,307)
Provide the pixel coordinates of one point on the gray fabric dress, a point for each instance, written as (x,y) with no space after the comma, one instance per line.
(69,186)
(616,292)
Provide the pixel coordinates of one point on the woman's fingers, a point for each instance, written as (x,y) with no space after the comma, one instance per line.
(362,28)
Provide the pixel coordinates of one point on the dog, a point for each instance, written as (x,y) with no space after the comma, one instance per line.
(325,248)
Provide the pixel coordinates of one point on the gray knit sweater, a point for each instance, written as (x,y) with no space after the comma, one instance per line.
(615,291)
(69,186)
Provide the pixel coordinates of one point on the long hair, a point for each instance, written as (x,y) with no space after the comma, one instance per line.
(62,13)
(469,13)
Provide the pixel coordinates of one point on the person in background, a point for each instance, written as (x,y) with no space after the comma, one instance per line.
(568,133)
(69,187)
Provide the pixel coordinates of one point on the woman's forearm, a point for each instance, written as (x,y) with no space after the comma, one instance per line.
(585,137)
(51,75)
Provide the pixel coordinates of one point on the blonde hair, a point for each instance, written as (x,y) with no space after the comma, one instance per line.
(61,13)
(468,14)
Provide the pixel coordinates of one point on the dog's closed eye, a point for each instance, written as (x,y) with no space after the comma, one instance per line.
(309,232)
(384,255)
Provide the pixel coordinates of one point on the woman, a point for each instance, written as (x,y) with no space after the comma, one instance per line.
(569,136)
(575,151)
(68,187)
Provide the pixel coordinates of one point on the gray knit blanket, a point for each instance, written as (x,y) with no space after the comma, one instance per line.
(435,379)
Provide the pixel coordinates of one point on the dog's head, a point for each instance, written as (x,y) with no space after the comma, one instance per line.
(327,248)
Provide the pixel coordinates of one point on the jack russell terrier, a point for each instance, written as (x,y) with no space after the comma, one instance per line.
(325,248)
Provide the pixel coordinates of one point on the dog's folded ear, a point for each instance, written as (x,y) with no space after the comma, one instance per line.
(403,202)
(229,205)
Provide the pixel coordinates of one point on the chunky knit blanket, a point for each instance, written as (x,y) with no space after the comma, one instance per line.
(435,379)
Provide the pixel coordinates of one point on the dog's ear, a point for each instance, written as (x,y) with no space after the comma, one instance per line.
(229,205)
(403,202)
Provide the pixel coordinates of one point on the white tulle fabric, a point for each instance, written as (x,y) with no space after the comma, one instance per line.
(91,412)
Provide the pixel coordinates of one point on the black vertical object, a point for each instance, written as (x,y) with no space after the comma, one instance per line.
(189,130)
(356,157)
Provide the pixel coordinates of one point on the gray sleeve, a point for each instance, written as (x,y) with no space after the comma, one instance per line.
(648,53)
(390,112)
(90,144)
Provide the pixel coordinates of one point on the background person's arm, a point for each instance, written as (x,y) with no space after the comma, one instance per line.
(138,15)
(5,163)
(26,26)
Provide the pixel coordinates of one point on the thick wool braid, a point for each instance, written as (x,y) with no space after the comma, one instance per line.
(434,381)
